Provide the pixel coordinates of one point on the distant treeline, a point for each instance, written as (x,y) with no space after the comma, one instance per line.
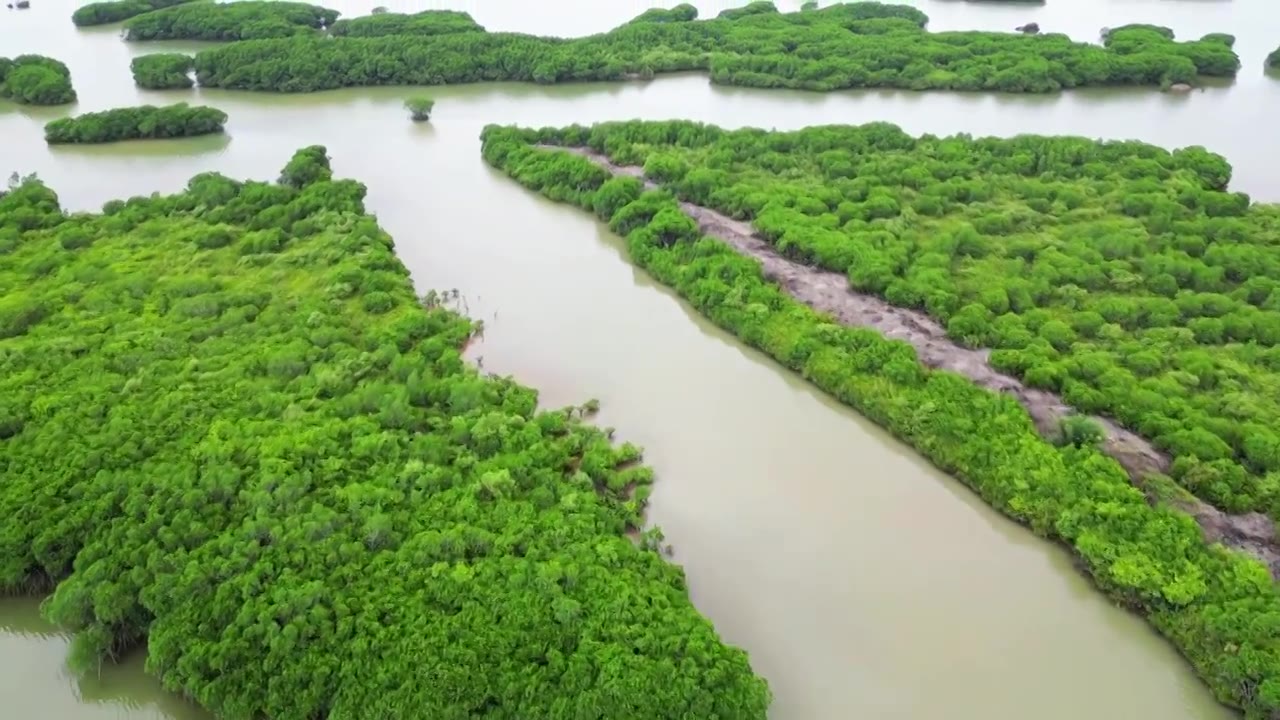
(246,20)
(163,71)
(102,13)
(136,123)
(35,80)
(844,46)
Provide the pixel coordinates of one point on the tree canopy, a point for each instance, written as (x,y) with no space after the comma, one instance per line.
(228,424)
(102,13)
(35,80)
(145,122)
(1122,276)
(1219,607)
(242,20)
(429,22)
(851,45)
(163,71)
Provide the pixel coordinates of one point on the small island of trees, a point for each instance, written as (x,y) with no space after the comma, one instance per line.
(275,467)
(145,122)
(843,46)
(35,80)
(103,13)
(1120,274)
(243,20)
(163,71)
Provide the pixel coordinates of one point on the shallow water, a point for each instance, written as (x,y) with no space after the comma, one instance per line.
(863,582)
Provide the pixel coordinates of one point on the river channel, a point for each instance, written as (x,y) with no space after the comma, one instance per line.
(863,583)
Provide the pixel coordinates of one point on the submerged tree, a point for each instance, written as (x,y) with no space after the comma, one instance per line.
(419,107)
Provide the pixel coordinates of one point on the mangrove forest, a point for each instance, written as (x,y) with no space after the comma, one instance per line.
(1122,276)
(231,428)
(855,45)
(961,224)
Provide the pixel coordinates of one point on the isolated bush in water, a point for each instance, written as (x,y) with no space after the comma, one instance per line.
(419,107)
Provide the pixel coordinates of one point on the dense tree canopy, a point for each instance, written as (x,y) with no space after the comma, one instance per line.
(1273,59)
(145,122)
(35,80)
(430,22)
(102,13)
(242,20)
(843,46)
(163,71)
(1120,275)
(227,423)
(1218,607)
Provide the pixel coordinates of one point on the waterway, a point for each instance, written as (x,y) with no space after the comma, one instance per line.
(863,582)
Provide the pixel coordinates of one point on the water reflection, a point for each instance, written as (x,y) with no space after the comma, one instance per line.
(40,685)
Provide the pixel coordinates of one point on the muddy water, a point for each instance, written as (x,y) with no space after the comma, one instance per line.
(862,582)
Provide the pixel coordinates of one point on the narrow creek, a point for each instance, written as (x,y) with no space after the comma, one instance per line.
(862,582)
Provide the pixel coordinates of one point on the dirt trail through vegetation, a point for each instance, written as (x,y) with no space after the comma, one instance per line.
(829,292)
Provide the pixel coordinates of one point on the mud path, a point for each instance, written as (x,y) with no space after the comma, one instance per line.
(829,292)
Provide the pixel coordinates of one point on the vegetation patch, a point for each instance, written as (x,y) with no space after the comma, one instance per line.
(1121,276)
(243,20)
(145,122)
(35,80)
(228,425)
(102,13)
(1217,606)
(852,45)
(429,22)
(163,71)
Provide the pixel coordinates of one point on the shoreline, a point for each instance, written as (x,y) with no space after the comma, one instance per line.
(829,292)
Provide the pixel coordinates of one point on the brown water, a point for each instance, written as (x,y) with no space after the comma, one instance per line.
(864,583)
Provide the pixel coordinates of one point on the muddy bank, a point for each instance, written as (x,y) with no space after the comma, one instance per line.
(829,292)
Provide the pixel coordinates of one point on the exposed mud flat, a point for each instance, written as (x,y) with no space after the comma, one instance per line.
(829,292)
